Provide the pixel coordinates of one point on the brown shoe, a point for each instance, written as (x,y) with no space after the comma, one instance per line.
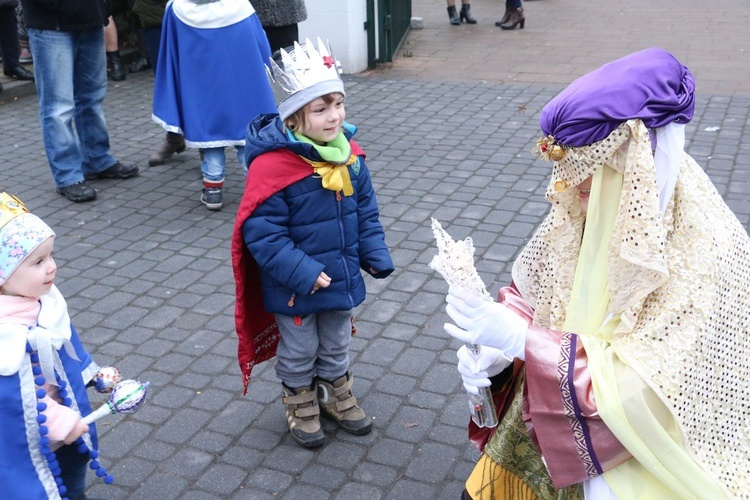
(303,416)
(516,18)
(173,143)
(337,403)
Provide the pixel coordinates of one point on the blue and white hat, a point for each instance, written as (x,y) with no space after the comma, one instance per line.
(20,233)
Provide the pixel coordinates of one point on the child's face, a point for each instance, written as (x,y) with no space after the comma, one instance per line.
(33,277)
(323,121)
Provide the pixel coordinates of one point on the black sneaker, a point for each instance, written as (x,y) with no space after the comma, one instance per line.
(211,197)
(78,192)
(116,171)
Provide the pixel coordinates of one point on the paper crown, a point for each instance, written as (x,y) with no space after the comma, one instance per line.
(10,208)
(304,75)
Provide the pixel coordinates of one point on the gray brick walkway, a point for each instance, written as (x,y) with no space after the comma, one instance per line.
(146,272)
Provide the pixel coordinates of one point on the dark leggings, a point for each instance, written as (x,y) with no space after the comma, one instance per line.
(73,475)
(9,37)
(281,37)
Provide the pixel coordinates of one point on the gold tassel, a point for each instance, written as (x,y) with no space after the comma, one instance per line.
(490,481)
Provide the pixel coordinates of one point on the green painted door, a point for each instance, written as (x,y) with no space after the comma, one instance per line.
(387,26)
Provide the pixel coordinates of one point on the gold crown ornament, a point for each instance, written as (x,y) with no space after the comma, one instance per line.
(548,149)
(10,208)
(300,75)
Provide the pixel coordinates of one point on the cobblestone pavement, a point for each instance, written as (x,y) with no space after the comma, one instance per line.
(147,275)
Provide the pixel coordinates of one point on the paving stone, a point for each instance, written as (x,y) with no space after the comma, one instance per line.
(222,479)
(269,480)
(327,477)
(432,463)
(354,491)
(411,489)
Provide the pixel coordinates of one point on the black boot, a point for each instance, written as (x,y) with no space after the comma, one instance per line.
(465,15)
(116,66)
(140,64)
(453,15)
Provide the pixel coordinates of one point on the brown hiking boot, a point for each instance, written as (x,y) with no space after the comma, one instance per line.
(303,416)
(173,143)
(337,403)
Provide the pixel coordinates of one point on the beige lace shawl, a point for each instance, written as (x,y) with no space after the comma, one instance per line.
(680,283)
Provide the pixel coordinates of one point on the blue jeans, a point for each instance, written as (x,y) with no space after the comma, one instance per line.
(214,161)
(70,69)
(319,345)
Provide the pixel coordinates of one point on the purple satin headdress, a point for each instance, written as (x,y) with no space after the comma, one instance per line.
(651,85)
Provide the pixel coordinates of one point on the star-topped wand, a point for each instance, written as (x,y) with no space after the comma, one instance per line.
(455,262)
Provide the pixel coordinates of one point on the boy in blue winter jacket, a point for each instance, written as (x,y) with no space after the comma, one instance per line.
(307,223)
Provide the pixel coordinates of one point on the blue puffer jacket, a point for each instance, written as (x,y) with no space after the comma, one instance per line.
(304,229)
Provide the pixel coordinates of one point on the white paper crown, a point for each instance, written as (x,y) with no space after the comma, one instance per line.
(304,75)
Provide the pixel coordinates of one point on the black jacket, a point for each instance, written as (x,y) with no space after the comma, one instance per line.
(64,15)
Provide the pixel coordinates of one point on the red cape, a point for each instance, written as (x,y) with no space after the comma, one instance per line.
(256,328)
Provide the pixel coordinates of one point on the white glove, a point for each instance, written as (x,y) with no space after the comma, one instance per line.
(476,370)
(484,322)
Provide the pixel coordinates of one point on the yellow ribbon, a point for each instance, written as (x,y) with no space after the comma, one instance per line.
(335,176)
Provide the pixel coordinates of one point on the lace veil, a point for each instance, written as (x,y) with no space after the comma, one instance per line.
(678,281)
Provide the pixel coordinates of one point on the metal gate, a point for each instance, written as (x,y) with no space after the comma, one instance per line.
(387,25)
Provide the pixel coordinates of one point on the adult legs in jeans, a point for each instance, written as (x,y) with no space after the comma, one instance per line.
(71,80)
(318,346)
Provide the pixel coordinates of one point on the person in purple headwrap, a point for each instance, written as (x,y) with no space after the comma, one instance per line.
(618,356)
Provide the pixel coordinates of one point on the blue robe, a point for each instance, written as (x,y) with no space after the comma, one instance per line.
(24,471)
(210,78)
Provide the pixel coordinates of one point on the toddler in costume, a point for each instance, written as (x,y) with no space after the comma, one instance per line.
(307,223)
(44,369)
(210,80)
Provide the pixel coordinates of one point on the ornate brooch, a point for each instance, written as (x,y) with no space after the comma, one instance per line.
(549,150)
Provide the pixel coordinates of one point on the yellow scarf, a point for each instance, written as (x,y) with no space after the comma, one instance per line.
(335,176)
(334,171)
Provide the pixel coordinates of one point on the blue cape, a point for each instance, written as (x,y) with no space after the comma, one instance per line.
(211,82)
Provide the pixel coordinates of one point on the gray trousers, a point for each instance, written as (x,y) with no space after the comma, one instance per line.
(318,346)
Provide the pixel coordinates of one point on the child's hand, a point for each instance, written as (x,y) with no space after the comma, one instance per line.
(78,430)
(373,271)
(322,282)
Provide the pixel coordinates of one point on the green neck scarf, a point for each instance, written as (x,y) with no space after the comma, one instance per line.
(337,151)
(334,171)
